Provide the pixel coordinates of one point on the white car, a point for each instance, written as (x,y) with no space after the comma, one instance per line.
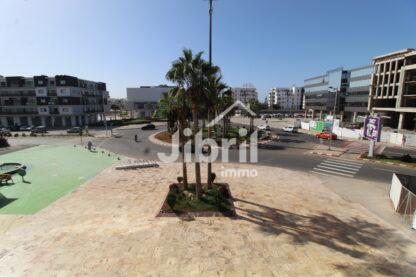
(290,129)
(264,127)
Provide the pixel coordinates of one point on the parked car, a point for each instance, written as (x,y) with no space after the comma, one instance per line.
(264,127)
(149,127)
(327,135)
(290,129)
(25,128)
(39,130)
(5,132)
(74,130)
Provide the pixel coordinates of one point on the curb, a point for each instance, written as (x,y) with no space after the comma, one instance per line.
(153,139)
(326,154)
(386,163)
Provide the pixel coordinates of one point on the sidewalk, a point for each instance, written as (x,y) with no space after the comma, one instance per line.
(288,224)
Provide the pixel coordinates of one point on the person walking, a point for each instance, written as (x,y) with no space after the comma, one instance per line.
(403,140)
(135,137)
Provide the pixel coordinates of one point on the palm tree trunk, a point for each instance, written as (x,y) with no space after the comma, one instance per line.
(209,166)
(182,143)
(198,185)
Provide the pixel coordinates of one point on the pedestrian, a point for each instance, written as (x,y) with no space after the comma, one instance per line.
(89,145)
(403,140)
(135,137)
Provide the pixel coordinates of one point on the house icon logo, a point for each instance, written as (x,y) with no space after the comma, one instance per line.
(237,103)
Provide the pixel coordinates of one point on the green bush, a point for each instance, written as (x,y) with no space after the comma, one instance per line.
(406,158)
(171,199)
(4,142)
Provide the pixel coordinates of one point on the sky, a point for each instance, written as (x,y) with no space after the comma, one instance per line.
(268,43)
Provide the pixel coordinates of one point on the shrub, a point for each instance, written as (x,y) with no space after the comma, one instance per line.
(4,142)
(224,192)
(16,135)
(171,199)
(406,158)
(174,188)
(24,134)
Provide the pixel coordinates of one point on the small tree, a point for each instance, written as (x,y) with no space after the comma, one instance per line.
(3,142)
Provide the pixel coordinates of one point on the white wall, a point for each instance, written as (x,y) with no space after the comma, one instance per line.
(146,94)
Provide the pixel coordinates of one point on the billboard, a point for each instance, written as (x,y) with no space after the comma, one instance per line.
(316,126)
(372,128)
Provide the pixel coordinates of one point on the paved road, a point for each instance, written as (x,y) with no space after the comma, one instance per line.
(288,152)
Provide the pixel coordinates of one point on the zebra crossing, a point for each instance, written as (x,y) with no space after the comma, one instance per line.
(338,167)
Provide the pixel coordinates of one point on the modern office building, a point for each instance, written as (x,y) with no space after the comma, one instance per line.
(393,88)
(244,94)
(356,97)
(60,101)
(323,93)
(144,99)
(287,99)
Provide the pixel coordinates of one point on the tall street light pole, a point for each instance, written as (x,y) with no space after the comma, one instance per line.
(333,115)
(210,31)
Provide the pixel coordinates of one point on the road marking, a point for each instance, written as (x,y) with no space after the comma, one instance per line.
(347,161)
(342,164)
(332,172)
(338,167)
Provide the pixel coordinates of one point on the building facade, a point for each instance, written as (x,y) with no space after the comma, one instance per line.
(356,97)
(60,101)
(323,93)
(144,99)
(244,94)
(286,98)
(393,88)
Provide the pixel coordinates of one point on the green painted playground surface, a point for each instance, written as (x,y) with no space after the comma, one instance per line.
(52,172)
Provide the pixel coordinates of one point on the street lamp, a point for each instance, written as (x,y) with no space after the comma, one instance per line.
(333,114)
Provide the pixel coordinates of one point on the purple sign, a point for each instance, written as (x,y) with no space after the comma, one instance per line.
(372,128)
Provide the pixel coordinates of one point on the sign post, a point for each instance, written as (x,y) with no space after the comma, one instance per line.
(372,131)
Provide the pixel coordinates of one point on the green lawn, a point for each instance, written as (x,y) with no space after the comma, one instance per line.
(52,171)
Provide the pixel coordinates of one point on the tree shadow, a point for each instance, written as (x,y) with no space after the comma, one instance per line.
(4,201)
(270,147)
(351,237)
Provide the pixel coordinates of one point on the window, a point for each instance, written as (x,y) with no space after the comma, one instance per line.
(62,82)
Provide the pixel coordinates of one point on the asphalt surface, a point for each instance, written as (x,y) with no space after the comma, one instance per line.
(290,152)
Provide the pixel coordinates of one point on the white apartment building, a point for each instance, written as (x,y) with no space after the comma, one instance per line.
(54,102)
(244,94)
(144,99)
(286,98)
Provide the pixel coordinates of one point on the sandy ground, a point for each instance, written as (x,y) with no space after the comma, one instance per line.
(288,224)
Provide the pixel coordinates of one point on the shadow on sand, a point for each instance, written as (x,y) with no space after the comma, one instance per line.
(354,238)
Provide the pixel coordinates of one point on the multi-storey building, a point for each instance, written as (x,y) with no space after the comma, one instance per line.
(144,99)
(323,93)
(285,98)
(60,101)
(244,94)
(356,97)
(393,88)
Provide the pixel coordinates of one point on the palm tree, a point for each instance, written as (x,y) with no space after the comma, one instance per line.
(187,73)
(166,109)
(214,87)
(224,101)
(181,106)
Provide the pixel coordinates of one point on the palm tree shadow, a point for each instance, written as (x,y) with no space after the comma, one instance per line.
(352,237)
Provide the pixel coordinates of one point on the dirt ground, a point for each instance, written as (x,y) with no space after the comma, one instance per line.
(288,223)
